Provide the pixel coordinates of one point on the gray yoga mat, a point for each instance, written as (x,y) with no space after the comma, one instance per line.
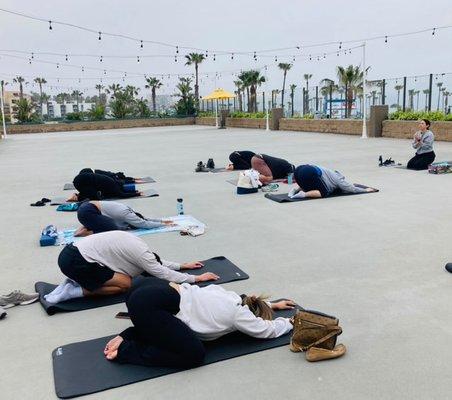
(216,170)
(81,368)
(224,268)
(56,201)
(146,179)
(284,198)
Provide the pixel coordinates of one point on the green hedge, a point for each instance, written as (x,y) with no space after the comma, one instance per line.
(240,114)
(417,115)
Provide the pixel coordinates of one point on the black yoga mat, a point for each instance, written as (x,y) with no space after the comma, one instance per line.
(216,170)
(225,269)
(146,179)
(56,201)
(81,368)
(284,198)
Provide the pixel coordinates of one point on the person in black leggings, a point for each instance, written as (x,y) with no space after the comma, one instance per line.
(97,187)
(271,168)
(118,176)
(157,338)
(240,160)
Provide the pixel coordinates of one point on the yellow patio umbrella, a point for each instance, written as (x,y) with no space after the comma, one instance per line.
(218,94)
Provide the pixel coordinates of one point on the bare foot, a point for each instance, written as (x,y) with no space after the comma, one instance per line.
(139,181)
(111,349)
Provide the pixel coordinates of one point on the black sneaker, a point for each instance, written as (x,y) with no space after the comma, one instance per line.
(449,267)
(210,164)
(380,161)
(200,167)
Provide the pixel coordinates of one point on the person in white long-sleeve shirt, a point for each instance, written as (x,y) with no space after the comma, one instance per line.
(105,263)
(104,216)
(171,321)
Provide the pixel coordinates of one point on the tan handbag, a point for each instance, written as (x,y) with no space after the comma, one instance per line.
(314,329)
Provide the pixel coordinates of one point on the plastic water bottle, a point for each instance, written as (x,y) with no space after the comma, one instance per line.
(180,206)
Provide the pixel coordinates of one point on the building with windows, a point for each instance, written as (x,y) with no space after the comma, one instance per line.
(56,110)
(10,100)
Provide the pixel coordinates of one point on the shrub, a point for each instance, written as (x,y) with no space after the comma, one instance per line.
(241,114)
(206,114)
(417,115)
(75,116)
(97,112)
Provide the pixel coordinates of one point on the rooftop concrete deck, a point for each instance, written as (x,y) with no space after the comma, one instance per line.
(375,261)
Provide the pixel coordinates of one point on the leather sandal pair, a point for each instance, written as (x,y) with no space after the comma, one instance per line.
(318,354)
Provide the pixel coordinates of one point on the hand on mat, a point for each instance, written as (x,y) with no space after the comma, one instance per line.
(283,305)
(74,197)
(208,276)
(192,265)
(230,167)
(111,349)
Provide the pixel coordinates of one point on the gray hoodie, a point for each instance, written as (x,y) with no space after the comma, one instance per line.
(426,143)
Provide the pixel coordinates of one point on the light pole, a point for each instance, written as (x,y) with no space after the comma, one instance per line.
(3,112)
(364,134)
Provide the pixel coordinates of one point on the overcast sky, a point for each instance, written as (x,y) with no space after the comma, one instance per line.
(231,25)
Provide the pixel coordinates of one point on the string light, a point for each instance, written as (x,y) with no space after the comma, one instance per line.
(58,66)
(66,57)
(276,59)
(101,59)
(175,58)
(433,31)
(83,69)
(177,49)
(138,58)
(214,57)
(141,43)
(232,56)
(386,39)
(50,25)
(32,56)
(310,58)
(100,36)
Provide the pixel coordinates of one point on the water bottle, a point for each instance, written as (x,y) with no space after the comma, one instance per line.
(290,178)
(180,206)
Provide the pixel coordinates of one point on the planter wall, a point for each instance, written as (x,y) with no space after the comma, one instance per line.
(406,129)
(341,126)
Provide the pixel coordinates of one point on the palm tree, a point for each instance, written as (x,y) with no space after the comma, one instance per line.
(426,92)
(20,80)
(76,94)
(446,95)
(328,87)
(284,67)
(292,94)
(40,82)
(153,84)
(306,77)
(351,78)
(439,85)
(61,98)
(416,93)
(411,99)
(398,88)
(250,81)
(195,59)
(99,87)
(239,86)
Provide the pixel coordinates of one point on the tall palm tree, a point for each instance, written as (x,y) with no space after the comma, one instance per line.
(239,85)
(411,99)
(398,88)
(76,94)
(426,92)
(327,88)
(439,85)
(292,94)
(20,80)
(153,84)
(195,59)
(40,82)
(284,67)
(99,88)
(351,78)
(306,77)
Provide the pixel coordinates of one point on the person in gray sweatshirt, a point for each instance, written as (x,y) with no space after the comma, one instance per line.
(315,182)
(104,216)
(423,143)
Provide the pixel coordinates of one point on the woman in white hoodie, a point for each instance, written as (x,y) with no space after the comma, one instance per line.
(171,321)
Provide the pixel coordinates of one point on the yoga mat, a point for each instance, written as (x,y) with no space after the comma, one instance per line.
(56,201)
(284,198)
(183,222)
(225,269)
(146,179)
(234,181)
(81,368)
(216,170)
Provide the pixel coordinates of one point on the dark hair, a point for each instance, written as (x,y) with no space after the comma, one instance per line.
(427,122)
(258,306)
(86,171)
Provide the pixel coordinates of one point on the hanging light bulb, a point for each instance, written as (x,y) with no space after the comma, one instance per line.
(101,59)
(337,54)
(433,31)
(175,58)
(232,56)
(214,57)
(105,72)
(50,25)
(141,43)
(276,59)
(293,59)
(79,80)
(324,55)
(58,65)
(340,45)
(138,58)
(32,56)
(386,39)
(310,58)
(66,57)
(29,61)
(177,49)
(100,36)
(125,74)
(254,56)
(83,69)
(207,53)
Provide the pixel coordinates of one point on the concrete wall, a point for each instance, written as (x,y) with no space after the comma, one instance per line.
(98,125)
(255,123)
(344,126)
(406,129)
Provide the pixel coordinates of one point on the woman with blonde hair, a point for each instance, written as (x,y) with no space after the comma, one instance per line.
(171,321)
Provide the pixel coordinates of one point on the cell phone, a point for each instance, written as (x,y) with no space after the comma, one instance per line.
(122,315)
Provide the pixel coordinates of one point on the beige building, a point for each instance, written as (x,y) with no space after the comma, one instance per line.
(10,99)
